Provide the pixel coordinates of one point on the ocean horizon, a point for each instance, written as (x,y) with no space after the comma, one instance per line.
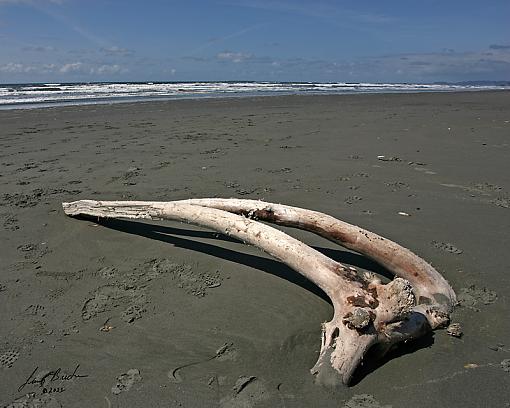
(37,95)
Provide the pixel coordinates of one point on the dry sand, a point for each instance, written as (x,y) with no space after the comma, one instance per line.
(139,314)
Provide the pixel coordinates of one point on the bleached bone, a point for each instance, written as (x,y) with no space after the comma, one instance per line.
(366,312)
(431,289)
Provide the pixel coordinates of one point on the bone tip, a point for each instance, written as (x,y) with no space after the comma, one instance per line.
(69,208)
(74,208)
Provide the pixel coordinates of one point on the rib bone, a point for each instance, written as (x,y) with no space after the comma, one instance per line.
(431,289)
(366,312)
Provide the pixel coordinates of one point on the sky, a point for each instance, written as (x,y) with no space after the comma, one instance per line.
(419,41)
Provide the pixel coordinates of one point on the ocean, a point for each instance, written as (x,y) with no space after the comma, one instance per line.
(13,96)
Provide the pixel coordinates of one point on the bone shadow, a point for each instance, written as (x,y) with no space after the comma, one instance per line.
(372,360)
(168,234)
(172,235)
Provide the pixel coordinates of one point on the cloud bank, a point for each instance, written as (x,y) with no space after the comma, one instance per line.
(69,69)
(492,63)
(115,63)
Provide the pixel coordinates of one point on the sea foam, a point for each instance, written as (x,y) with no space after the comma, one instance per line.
(36,95)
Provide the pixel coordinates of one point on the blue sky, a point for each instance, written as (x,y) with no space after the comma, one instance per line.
(281,40)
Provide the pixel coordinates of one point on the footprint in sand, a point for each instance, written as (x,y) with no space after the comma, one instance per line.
(11,223)
(472,296)
(27,247)
(35,310)
(447,247)
(30,401)
(8,358)
(107,272)
(486,187)
(226,352)
(126,380)
(502,201)
(248,392)
(132,313)
(193,282)
(352,199)
(108,297)
(395,186)
(364,401)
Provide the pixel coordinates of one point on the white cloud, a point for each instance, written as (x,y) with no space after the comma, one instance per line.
(500,47)
(14,68)
(67,69)
(19,68)
(116,51)
(235,57)
(238,57)
(107,69)
(73,67)
(492,63)
(39,48)
(447,64)
(31,1)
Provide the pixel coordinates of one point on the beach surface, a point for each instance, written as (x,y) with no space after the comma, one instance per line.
(160,314)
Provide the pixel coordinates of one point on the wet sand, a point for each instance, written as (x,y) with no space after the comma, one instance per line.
(161,314)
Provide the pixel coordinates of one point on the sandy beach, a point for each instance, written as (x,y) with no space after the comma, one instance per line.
(162,314)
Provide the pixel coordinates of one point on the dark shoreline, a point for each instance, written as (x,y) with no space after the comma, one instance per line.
(131,302)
